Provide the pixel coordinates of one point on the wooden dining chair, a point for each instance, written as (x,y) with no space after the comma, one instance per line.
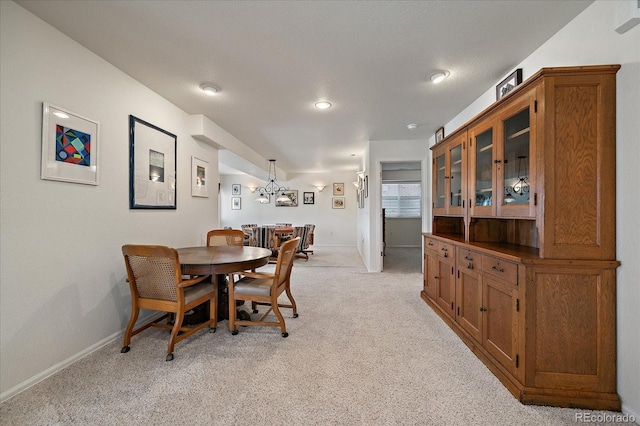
(264,289)
(155,281)
(225,237)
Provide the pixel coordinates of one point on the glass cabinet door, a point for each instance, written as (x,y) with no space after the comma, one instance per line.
(483,177)
(455,178)
(516,158)
(440,178)
(516,146)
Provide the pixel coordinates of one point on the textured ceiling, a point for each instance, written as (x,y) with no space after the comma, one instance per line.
(274,59)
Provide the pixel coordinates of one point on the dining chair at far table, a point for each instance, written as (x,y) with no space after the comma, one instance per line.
(156,283)
(264,289)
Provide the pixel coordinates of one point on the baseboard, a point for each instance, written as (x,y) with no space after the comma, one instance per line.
(10,393)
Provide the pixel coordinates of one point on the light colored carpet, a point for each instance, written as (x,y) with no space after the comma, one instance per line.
(366,350)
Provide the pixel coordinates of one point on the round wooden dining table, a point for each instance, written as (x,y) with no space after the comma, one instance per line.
(221,259)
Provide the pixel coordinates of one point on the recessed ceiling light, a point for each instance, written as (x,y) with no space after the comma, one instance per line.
(412,126)
(323,105)
(439,76)
(209,89)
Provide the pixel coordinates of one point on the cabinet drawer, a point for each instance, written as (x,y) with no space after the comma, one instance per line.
(430,244)
(446,250)
(469,259)
(500,268)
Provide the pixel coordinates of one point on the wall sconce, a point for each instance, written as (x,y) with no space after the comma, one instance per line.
(252,188)
(356,184)
(319,187)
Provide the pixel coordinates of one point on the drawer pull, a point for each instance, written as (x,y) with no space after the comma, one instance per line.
(446,254)
(467,257)
(429,243)
(495,268)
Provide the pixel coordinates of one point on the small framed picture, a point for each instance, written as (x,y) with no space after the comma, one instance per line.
(235,203)
(69,146)
(235,189)
(338,189)
(309,197)
(440,134)
(509,83)
(199,178)
(338,202)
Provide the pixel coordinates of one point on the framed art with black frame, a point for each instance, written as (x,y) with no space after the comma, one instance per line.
(152,166)
(509,83)
(308,197)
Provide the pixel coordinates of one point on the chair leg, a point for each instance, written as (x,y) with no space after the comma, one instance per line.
(293,302)
(174,334)
(233,310)
(135,311)
(213,307)
(283,326)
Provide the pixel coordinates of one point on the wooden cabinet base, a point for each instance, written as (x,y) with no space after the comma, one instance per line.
(529,395)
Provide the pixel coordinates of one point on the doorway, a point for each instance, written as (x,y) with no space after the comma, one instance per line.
(401,190)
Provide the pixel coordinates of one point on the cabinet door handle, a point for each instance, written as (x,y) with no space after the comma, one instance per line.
(497,269)
(436,277)
(497,161)
(469,265)
(429,243)
(483,309)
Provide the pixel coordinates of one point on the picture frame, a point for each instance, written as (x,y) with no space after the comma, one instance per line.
(439,134)
(152,166)
(199,178)
(235,189)
(70,145)
(338,189)
(292,195)
(236,203)
(308,197)
(509,83)
(338,202)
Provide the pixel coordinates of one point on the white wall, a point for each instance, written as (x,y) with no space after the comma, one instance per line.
(62,289)
(334,227)
(591,39)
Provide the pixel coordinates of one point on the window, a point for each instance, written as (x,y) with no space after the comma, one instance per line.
(402,199)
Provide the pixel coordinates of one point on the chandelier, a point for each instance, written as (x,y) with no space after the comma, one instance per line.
(272,188)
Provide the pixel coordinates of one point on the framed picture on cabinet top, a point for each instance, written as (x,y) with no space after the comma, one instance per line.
(152,166)
(440,134)
(199,178)
(69,146)
(509,83)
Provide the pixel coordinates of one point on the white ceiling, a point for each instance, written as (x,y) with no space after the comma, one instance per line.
(274,59)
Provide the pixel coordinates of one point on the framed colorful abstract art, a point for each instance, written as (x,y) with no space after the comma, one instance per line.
(69,146)
(152,166)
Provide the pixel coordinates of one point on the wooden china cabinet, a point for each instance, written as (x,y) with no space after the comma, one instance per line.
(521,261)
